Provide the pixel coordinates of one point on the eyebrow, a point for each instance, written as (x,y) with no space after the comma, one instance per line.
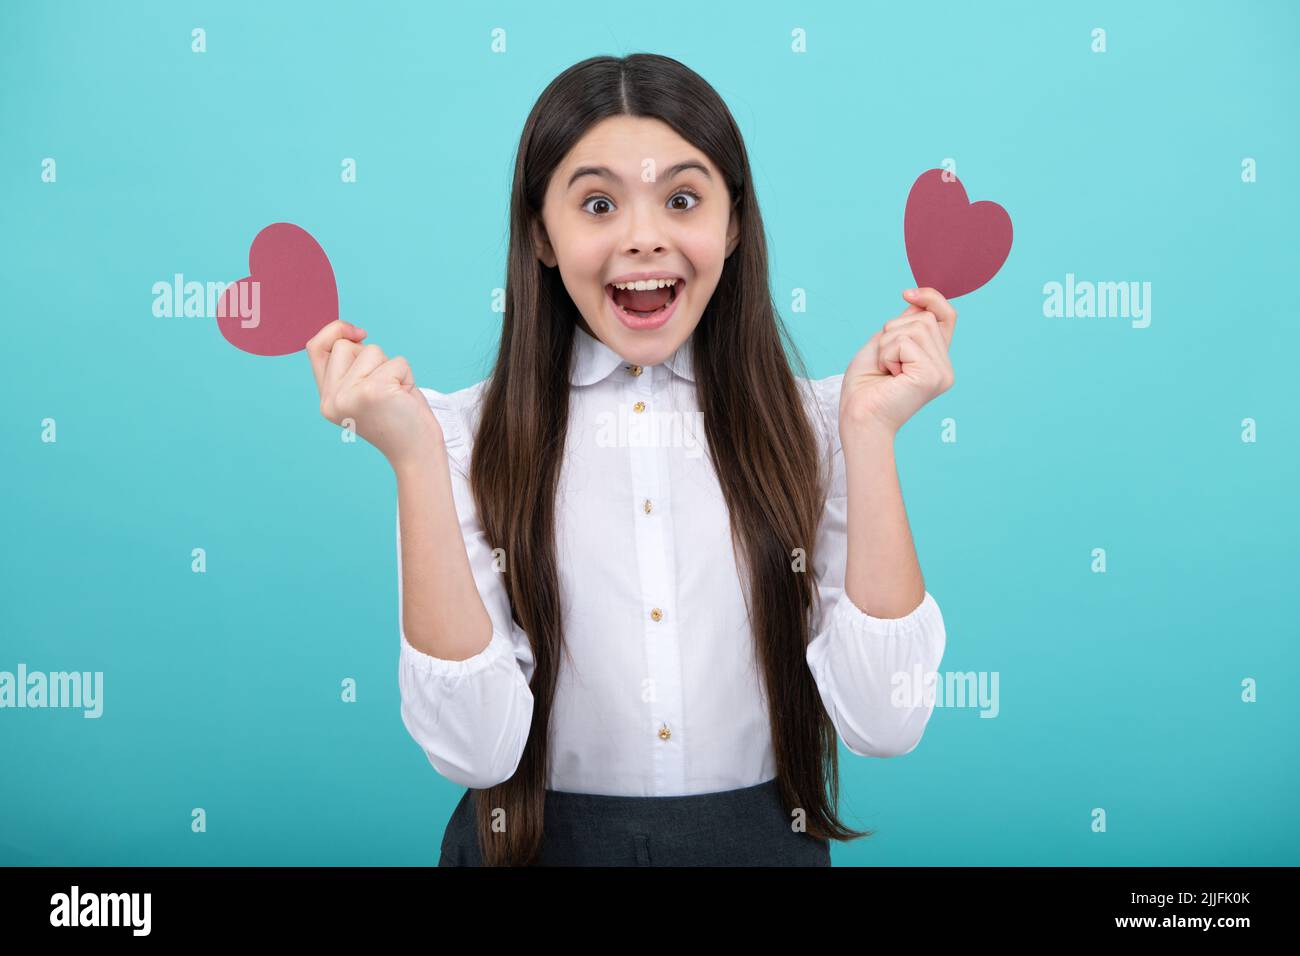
(608,173)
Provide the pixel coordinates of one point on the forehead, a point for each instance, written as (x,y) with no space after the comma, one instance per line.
(624,143)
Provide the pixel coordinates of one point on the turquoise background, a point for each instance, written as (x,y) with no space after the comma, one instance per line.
(1118,690)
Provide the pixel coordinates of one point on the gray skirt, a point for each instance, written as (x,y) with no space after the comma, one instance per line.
(743,827)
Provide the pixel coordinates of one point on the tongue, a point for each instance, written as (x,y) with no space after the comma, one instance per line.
(642,301)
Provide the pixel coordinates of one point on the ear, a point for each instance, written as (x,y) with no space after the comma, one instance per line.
(733,229)
(543,243)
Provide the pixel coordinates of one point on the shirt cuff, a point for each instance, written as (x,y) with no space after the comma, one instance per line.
(498,648)
(849,617)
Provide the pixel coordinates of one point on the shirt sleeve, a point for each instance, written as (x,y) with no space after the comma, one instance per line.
(471,717)
(871,672)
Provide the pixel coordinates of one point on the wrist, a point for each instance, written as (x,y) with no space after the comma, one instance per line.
(871,434)
(420,457)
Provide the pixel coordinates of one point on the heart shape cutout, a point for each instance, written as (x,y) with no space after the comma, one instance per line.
(288,296)
(953,245)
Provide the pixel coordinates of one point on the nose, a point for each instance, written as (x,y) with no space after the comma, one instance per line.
(645,230)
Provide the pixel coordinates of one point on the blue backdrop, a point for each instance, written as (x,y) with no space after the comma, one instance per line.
(1160,691)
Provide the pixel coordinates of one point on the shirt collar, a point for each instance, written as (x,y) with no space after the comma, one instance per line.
(593,360)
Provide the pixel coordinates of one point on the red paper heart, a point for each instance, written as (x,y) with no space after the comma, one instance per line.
(288,296)
(953,245)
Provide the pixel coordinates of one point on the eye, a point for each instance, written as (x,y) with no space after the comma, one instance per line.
(595,199)
(608,202)
(686,192)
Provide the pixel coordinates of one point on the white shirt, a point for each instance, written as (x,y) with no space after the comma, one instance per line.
(663,695)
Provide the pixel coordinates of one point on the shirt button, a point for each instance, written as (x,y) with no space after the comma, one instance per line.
(657,614)
(647,506)
(664,732)
(634,369)
(639,407)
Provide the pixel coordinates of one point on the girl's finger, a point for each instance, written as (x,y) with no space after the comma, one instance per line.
(886,360)
(922,334)
(929,323)
(341,356)
(398,370)
(930,340)
(319,345)
(368,359)
(892,366)
(903,346)
(889,354)
(914,320)
(932,300)
(911,315)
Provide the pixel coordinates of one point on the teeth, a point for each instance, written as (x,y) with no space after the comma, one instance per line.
(642,284)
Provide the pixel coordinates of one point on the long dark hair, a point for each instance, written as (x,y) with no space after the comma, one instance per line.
(764,453)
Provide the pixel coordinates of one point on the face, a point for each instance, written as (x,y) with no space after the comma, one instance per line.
(632,197)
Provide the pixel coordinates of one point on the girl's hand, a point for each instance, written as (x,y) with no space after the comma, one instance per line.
(901,367)
(379,394)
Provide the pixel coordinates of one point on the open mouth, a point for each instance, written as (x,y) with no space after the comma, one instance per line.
(644,303)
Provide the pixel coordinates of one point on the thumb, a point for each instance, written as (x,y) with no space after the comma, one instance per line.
(911,306)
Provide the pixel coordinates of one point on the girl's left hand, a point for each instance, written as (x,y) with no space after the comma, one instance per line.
(901,367)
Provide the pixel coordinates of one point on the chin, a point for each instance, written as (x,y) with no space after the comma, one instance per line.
(650,347)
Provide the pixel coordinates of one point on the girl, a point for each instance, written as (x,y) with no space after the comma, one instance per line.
(646,575)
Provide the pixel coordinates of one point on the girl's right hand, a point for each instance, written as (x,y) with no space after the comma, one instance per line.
(378,394)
